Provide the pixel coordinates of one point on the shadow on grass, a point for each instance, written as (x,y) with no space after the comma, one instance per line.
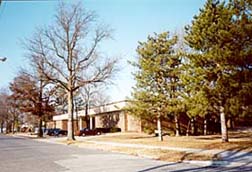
(125,137)
(233,145)
(240,135)
(209,138)
(142,137)
(232,135)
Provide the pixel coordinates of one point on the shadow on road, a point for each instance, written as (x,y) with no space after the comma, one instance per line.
(216,169)
(243,168)
(157,167)
(237,155)
(233,160)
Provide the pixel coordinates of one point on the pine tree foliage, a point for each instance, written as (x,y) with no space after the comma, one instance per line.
(156,92)
(241,48)
(193,97)
(221,39)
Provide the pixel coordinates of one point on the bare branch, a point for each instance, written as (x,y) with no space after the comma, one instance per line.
(101,74)
(55,49)
(67,61)
(100,35)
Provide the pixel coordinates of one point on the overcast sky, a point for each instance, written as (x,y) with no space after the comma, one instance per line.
(131,20)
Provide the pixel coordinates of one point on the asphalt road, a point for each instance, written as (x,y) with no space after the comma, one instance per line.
(27,155)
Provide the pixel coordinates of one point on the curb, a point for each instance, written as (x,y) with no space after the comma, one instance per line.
(214,163)
(22,136)
(217,163)
(205,163)
(38,139)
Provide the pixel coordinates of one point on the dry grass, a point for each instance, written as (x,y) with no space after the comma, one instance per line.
(239,141)
(158,154)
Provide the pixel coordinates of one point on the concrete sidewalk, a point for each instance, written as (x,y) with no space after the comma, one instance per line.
(229,158)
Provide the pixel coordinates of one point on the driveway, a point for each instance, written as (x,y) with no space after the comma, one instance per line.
(28,155)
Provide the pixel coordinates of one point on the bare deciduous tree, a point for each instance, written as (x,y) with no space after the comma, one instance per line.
(92,95)
(69,51)
(14,113)
(3,109)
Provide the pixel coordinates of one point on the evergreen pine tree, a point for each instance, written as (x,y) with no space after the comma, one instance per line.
(156,92)
(220,37)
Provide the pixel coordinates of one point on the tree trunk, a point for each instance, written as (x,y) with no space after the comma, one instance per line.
(224,132)
(70,134)
(159,127)
(13,126)
(188,127)
(7,127)
(2,123)
(193,126)
(205,126)
(40,132)
(231,123)
(86,116)
(177,126)
(77,117)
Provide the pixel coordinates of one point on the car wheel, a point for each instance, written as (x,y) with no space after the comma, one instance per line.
(83,134)
(98,133)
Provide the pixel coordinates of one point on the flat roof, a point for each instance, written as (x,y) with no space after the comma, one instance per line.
(107,108)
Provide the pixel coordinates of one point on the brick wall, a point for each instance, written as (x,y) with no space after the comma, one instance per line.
(119,119)
(107,120)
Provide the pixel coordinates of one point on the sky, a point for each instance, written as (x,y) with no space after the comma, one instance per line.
(131,20)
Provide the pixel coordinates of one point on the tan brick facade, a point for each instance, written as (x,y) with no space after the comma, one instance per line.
(133,124)
(106,116)
(118,119)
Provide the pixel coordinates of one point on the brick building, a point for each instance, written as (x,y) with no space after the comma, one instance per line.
(105,116)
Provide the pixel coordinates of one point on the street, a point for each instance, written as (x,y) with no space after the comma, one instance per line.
(28,155)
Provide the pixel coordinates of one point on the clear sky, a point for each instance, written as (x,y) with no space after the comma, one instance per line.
(131,20)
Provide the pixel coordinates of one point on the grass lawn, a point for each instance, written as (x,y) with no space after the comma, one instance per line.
(238,141)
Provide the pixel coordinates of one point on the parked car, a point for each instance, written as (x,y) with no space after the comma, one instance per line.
(60,132)
(109,130)
(51,131)
(88,132)
(103,130)
(55,132)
